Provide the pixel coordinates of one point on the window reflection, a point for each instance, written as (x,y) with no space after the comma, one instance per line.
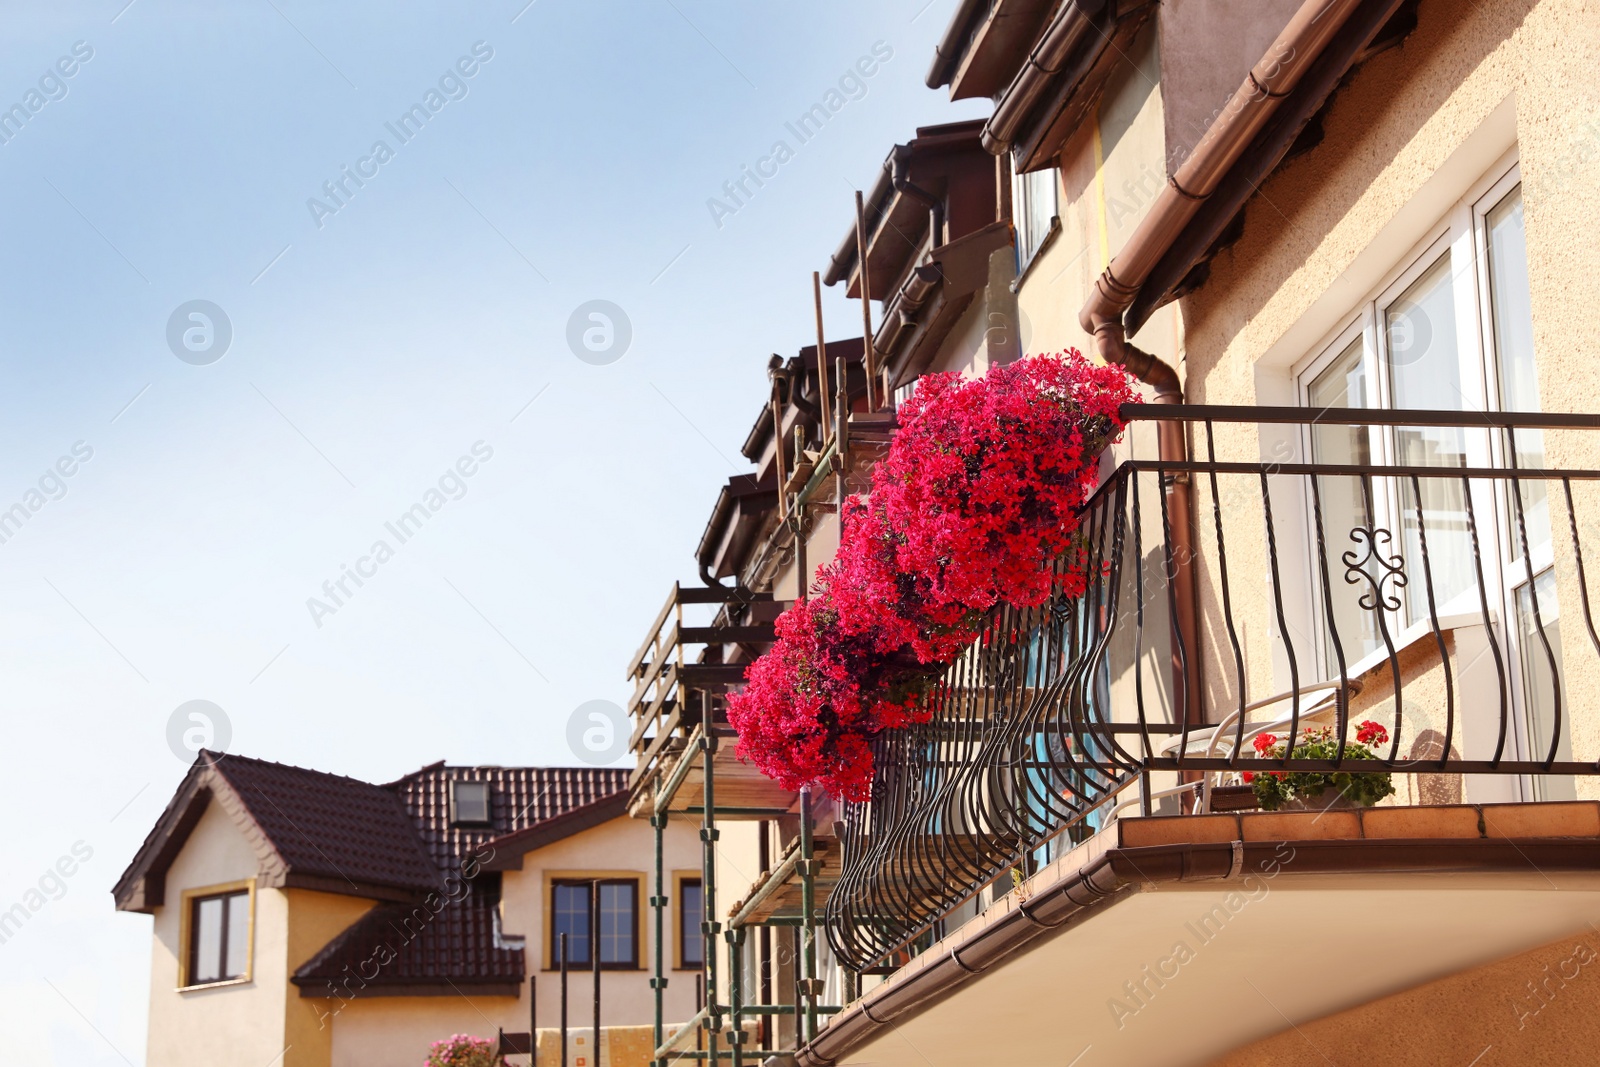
(1424,362)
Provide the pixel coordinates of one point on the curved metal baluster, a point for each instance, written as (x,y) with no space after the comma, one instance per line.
(1533,598)
(1138,623)
(1227,596)
(1577,555)
(1283,621)
(1433,621)
(1488,622)
(1342,701)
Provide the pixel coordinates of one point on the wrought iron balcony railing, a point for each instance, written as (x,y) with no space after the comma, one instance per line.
(1420,569)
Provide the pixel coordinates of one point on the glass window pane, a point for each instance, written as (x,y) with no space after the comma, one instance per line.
(1422,351)
(1510,304)
(1033,206)
(616,922)
(691,905)
(1424,363)
(238,927)
(1512,326)
(571,918)
(1540,641)
(470,801)
(207,935)
(1342,386)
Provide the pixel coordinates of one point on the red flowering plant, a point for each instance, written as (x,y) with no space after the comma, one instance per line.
(976,501)
(1275,788)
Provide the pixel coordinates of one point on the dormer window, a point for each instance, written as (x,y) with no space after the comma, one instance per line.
(469,803)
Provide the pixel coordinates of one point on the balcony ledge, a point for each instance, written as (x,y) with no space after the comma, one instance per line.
(1435,890)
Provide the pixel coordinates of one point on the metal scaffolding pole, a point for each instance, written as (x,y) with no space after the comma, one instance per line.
(658,902)
(736,993)
(562,939)
(708,849)
(594,961)
(808,919)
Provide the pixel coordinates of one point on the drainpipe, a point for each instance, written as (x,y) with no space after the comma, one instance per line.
(1273,78)
(900,178)
(793,384)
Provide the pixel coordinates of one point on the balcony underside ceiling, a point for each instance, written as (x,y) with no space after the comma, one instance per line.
(1233,962)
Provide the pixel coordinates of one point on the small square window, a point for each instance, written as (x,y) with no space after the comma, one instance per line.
(469,803)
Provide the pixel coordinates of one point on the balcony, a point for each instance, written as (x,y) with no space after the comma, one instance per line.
(1423,570)
(680,673)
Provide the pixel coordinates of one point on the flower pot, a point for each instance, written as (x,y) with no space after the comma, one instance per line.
(1331,799)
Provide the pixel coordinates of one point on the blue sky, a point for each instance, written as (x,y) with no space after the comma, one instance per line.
(373,348)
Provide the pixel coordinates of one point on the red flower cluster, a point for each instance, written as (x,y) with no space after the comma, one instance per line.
(1264,742)
(1371,733)
(976,500)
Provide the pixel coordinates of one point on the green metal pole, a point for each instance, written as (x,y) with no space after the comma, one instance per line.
(808,920)
(736,993)
(658,901)
(708,849)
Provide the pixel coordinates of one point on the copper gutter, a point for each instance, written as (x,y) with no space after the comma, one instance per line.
(1080,895)
(1071,25)
(1264,88)
(957,35)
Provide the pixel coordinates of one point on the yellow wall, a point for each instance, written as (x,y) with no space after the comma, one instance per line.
(314,920)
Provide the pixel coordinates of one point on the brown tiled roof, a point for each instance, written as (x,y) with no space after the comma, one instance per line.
(332,826)
(451,939)
(309,830)
(434,927)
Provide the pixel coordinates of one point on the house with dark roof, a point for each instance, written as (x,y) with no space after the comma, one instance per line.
(313,920)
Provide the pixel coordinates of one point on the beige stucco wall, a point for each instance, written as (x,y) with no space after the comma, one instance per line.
(1404,141)
(377,1031)
(621,845)
(1539,1008)
(260,1020)
(240,1022)
(387,1029)
(1110,173)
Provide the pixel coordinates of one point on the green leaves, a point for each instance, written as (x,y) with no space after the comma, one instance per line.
(1275,788)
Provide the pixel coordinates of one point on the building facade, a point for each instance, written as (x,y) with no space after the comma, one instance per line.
(1346,249)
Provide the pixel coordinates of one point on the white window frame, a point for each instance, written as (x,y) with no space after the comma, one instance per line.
(1030,244)
(1462,233)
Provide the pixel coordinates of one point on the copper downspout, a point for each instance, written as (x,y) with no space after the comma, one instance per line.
(1268,82)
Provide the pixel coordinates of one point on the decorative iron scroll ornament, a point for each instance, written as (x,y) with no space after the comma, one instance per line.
(1393,569)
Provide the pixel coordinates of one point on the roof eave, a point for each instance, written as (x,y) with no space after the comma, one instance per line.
(507,851)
